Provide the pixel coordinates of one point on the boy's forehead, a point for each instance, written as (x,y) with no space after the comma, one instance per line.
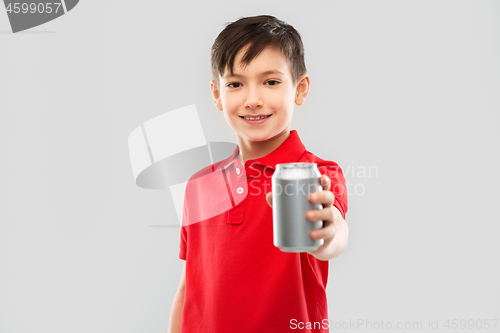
(263,73)
(269,61)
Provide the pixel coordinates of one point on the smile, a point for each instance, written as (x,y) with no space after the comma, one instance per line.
(255,120)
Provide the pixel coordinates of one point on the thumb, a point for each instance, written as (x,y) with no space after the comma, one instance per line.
(269,199)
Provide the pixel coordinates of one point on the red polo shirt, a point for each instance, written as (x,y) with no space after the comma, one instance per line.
(236,279)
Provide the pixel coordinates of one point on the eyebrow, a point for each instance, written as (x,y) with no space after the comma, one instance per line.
(273,71)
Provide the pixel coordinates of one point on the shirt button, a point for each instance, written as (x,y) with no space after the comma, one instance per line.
(238,171)
(239,190)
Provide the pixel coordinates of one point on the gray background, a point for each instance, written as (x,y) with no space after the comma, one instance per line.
(409,88)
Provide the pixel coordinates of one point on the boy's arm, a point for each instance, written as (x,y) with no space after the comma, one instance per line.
(174,325)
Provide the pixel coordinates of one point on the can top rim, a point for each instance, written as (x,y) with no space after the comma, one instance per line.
(296,165)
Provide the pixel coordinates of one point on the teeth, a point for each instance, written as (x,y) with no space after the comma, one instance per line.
(255,118)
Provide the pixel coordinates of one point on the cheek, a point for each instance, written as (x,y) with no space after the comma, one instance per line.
(289,99)
(280,102)
(229,103)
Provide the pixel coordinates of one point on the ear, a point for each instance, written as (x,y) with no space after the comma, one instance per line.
(216,95)
(302,89)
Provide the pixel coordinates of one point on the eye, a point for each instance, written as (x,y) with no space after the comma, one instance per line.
(275,82)
(230,84)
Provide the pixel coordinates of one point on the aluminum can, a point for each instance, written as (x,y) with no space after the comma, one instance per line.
(292,183)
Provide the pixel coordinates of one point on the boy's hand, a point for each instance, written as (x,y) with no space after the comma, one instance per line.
(334,232)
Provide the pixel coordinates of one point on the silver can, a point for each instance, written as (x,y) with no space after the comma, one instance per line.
(292,183)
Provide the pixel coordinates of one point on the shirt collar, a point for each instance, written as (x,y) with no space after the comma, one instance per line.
(289,151)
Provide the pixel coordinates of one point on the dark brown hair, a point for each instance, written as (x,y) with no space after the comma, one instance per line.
(258,32)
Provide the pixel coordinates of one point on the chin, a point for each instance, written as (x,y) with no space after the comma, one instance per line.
(263,137)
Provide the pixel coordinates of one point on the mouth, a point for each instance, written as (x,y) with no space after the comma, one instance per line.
(255,120)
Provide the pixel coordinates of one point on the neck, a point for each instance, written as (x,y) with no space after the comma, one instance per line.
(250,150)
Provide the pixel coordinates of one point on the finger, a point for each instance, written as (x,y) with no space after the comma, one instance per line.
(322,197)
(326,182)
(269,199)
(320,214)
(324,233)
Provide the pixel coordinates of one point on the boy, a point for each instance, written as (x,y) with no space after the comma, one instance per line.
(234,279)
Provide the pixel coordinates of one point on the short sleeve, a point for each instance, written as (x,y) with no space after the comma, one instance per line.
(338,186)
(183,242)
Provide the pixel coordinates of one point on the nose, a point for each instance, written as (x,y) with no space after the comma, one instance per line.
(253,99)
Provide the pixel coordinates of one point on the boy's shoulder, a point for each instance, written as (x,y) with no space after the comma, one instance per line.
(334,172)
(309,157)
